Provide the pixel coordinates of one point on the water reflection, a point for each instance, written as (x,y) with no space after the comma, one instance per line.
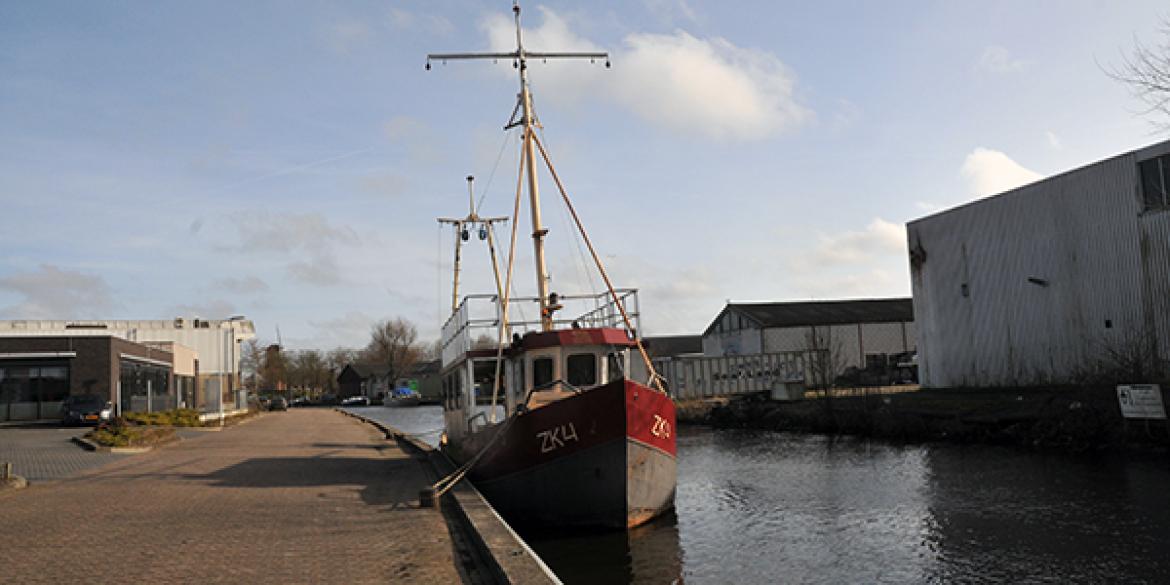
(1007,516)
(763,507)
(649,554)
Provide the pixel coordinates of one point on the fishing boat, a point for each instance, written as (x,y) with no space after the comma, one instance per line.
(579,430)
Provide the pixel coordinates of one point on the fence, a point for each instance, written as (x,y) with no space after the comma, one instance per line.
(706,377)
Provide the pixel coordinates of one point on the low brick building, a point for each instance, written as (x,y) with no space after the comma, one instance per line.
(38,372)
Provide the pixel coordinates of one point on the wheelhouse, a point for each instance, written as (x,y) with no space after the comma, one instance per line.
(537,367)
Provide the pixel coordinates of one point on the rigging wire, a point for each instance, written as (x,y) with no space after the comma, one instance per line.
(580,263)
(500,155)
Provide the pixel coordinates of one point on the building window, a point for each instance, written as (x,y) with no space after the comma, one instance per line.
(1155,180)
(542,372)
(21,383)
(145,387)
(582,369)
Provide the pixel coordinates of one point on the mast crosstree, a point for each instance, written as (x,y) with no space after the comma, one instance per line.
(527,120)
(463,234)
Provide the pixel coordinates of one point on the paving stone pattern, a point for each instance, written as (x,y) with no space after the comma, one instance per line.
(305,496)
(46,453)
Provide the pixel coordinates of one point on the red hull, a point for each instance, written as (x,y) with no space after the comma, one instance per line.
(604,457)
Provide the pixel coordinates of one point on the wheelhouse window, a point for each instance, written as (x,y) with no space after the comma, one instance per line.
(542,371)
(581,369)
(1154,175)
(614,367)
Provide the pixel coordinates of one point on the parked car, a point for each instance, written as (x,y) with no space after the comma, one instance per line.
(278,403)
(86,409)
(356,401)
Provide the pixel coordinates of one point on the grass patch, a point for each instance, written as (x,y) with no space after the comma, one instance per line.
(120,434)
(179,417)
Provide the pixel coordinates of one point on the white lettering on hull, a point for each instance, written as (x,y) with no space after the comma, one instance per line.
(661,428)
(556,437)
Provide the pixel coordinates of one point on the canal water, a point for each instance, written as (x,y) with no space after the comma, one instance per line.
(766,507)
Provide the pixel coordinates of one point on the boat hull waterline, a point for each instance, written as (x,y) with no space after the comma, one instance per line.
(605,457)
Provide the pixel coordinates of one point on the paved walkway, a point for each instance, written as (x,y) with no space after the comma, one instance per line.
(304,496)
(44,453)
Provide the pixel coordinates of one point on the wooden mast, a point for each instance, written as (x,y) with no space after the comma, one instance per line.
(520,60)
(462,234)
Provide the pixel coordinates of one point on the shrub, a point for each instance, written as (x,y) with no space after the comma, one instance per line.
(179,417)
(117,433)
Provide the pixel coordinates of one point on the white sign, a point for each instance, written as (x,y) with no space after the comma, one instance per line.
(1141,401)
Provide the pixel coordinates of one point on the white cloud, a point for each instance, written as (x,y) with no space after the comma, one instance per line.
(308,237)
(53,293)
(996,59)
(319,269)
(990,171)
(879,238)
(291,232)
(246,285)
(345,36)
(214,309)
(349,330)
(414,136)
(871,283)
(670,11)
(1054,140)
(431,24)
(706,87)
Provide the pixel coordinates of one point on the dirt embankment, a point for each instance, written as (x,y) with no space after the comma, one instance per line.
(1075,419)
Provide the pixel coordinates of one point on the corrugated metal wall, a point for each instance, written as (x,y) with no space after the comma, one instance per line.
(1038,285)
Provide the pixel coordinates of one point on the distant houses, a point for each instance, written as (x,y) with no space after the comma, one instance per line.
(371,381)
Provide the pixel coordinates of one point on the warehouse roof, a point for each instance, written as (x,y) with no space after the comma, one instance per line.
(673,345)
(796,314)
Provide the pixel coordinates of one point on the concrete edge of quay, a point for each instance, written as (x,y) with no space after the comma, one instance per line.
(507,557)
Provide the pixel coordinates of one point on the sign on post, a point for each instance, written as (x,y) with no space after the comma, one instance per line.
(1141,401)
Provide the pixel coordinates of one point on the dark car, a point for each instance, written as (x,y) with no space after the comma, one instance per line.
(86,409)
(278,403)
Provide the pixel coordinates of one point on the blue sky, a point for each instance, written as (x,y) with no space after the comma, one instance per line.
(286,160)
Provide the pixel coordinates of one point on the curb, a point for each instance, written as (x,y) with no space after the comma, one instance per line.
(507,557)
(89,445)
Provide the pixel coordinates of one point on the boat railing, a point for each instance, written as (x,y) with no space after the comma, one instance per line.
(475,323)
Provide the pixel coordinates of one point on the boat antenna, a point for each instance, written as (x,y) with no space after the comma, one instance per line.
(527,120)
(464,228)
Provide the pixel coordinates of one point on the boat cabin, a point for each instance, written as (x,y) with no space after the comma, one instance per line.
(535,369)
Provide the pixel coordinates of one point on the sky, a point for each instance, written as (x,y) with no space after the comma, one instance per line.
(286,161)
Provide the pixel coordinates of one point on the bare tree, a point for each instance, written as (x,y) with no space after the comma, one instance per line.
(308,370)
(1147,73)
(393,344)
(826,358)
(251,362)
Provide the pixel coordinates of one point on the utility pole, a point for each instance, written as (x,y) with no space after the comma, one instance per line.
(529,123)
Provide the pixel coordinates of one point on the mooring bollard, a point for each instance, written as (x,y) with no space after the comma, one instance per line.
(427,499)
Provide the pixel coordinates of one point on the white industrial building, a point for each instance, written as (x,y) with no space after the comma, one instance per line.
(216,345)
(859,332)
(1055,282)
